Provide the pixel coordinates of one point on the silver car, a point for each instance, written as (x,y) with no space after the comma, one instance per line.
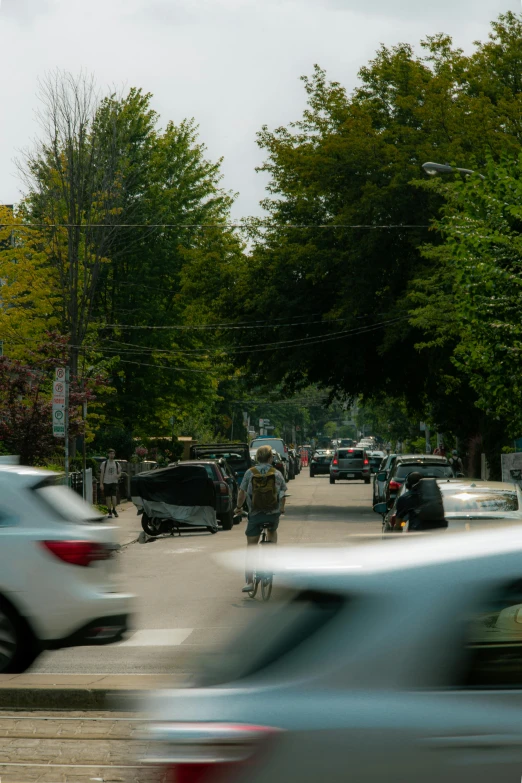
(399,662)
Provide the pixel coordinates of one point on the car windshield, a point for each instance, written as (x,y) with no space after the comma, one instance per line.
(427,470)
(480,500)
(65,503)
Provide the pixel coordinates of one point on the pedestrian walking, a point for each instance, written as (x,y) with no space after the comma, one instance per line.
(456,462)
(110,475)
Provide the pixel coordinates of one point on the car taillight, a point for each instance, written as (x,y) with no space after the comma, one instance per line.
(223,488)
(366,462)
(394,486)
(335,461)
(205,752)
(80,553)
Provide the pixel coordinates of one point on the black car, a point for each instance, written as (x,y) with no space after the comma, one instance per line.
(320,462)
(226,487)
(429,465)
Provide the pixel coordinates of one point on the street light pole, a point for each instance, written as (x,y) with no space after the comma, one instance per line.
(444,168)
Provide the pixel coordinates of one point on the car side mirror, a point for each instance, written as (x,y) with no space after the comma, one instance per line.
(381,508)
(382,476)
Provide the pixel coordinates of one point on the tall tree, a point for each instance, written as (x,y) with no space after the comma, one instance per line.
(346,226)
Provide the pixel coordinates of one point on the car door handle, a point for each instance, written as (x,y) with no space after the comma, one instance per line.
(490,741)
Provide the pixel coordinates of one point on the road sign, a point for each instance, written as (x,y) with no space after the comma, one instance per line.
(59,423)
(59,402)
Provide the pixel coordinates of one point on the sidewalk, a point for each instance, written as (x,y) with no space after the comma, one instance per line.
(79,691)
(128,522)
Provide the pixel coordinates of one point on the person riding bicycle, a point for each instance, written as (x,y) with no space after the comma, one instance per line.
(264,488)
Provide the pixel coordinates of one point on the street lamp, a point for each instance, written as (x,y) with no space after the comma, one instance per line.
(444,168)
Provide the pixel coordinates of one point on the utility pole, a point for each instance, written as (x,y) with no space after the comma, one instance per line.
(84,450)
(67,377)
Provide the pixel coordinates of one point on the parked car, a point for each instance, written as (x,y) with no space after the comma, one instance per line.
(302,694)
(320,462)
(237,455)
(471,504)
(375,458)
(279,464)
(380,478)
(350,465)
(429,465)
(277,444)
(226,486)
(295,457)
(58,576)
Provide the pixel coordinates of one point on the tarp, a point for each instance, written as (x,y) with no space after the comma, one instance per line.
(182,493)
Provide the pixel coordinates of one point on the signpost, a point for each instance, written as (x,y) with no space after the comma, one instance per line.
(60,410)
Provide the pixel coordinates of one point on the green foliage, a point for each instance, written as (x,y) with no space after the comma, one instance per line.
(349,287)
(480,272)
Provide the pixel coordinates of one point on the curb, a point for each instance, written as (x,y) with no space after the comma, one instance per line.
(57,699)
(61,693)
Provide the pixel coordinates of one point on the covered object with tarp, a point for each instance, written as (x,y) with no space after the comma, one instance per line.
(181,493)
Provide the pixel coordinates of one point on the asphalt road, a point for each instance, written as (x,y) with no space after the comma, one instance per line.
(186,601)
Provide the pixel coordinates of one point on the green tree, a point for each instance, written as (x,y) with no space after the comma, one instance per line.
(351,160)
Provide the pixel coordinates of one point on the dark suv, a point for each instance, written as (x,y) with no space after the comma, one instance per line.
(430,466)
(237,455)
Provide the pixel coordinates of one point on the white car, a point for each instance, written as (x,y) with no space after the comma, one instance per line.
(382,665)
(471,504)
(57,573)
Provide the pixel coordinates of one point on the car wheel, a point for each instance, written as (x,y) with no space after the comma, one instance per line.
(152,527)
(312,474)
(18,648)
(332,480)
(366,481)
(227,520)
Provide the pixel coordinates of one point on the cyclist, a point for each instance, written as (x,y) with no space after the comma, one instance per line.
(263,487)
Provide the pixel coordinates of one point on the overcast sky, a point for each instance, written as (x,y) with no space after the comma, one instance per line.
(232,64)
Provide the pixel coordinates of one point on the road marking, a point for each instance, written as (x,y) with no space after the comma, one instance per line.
(180,551)
(165,637)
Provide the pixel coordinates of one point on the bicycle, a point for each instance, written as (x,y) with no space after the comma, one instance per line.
(263,578)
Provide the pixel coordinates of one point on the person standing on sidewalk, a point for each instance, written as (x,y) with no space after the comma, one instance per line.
(110,475)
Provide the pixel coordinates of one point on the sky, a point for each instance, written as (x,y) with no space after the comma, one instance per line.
(233,65)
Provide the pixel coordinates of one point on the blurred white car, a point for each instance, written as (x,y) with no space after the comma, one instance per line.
(471,504)
(57,573)
(376,668)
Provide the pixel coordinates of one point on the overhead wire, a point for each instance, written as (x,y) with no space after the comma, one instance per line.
(254,347)
(260,223)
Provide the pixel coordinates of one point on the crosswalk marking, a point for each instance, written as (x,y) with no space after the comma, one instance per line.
(164,637)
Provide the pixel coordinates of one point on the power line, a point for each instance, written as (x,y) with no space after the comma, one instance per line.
(254,347)
(391,226)
(229,326)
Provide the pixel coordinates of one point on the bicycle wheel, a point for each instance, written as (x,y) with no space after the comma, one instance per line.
(253,591)
(266,587)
